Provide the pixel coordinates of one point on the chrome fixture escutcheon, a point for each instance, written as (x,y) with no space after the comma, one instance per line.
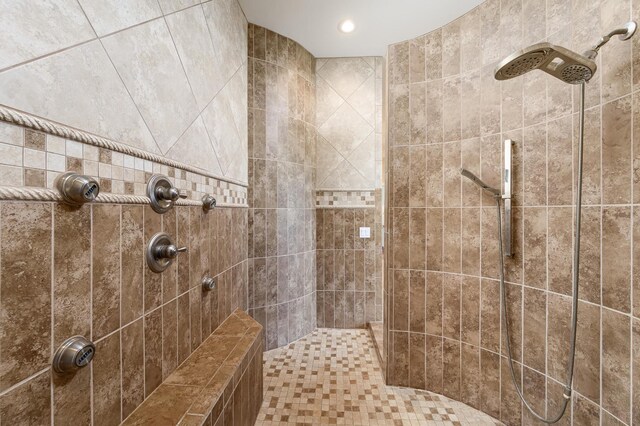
(163,194)
(76,189)
(208,203)
(161,252)
(73,354)
(208,283)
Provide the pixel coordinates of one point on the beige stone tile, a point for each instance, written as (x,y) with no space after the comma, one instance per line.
(328,101)
(29,402)
(72,292)
(219,123)
(228,27)
(21,28)
(106,269)
(106,381)
(616,364)
(363,100)
(346,75)
(76,71)
(170,6)
(164,99)
(195,148)
(616,258)
(616,146)
(132,367)
(114,15)
(345,129)
(433,55)
(25,271)
(191,36)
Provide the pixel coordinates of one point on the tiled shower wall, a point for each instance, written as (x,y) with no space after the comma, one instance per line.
(82,271)
(446,111)
(349,120)
(138,79)
(165,77)
(349,190)
(349,268)
(282,143)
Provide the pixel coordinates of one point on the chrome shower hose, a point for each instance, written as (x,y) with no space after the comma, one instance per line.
(575,279)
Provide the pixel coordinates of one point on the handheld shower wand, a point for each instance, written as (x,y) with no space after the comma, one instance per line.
(475,179)
(571,68)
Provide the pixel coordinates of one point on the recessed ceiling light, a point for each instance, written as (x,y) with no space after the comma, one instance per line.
(347,26)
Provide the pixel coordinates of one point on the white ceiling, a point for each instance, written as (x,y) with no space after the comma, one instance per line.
(379,23)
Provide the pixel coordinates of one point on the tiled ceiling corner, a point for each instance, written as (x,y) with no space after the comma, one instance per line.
(346,119)
(167,77)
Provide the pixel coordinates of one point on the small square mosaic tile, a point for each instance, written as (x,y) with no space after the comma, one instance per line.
(334,377)
(327,199)
(35,159)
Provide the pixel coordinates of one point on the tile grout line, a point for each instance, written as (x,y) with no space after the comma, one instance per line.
(51,311)
(91,283)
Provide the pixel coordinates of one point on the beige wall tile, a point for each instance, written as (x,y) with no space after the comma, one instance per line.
(72,273)
(25,271)
(25,41)
(110,16)
(29,403)
(541,116)
(616,364)
(106,381)
(118,117)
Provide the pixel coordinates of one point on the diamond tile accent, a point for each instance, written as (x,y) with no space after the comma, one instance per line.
(328,101)
(346,75)
(345,129)
(348,113)
(363,100)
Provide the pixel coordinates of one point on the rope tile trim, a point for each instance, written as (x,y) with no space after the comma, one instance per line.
(13,116)
(10,193)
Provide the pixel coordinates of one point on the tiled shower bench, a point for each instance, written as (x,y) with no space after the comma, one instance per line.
(219,384)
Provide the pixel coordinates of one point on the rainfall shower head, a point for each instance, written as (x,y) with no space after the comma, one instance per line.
(557,61)
(475,179)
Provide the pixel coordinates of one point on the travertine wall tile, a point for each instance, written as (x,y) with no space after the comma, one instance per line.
(140,78)
(141,350)
(349,276)
(348,93)
(25,271)
(282,166)
(462,121)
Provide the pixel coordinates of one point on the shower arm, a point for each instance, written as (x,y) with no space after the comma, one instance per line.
(624,33)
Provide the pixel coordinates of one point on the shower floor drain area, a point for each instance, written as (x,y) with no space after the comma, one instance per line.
(334,377)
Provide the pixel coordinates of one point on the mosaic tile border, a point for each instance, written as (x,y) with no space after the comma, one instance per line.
(33,122)
(33,159)
(345,198)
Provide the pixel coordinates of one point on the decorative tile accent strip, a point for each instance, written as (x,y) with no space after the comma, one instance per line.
(9,193)
(36,123)
(345,198)
(32,159)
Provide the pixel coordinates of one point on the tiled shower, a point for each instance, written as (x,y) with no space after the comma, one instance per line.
(340,210)
(446,112)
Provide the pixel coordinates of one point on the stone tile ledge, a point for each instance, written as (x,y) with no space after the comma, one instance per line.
(201,387)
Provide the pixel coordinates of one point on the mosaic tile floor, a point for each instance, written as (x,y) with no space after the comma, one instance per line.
(334,377)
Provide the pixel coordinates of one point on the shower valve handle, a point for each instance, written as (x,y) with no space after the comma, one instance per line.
(162,194)
(170,251)
(161,252)
(170,194)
